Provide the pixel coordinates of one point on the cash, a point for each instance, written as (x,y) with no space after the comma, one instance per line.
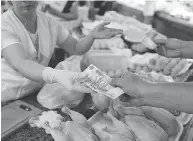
(148,42)
(97,78)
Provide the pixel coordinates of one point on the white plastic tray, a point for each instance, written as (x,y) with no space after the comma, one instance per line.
(184,118)
(96,118)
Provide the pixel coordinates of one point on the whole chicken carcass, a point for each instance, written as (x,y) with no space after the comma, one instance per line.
(148,123)
(145,129)
(79,129)
(109,128)
(76,130)
(117,131)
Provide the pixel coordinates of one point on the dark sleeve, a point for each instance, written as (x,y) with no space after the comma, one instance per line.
(67,7)
(102,9)
(82,3)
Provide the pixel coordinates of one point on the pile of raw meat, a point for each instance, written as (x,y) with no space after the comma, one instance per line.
(113,124)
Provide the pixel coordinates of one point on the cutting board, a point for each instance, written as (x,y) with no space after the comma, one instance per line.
(15,116)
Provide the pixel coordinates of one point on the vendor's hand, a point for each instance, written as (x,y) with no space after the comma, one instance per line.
(102,32)
(169,47)
(72,80)
(132,85)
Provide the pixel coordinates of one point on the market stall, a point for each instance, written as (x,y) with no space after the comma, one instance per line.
(173,27)
(174,19)
(127,53)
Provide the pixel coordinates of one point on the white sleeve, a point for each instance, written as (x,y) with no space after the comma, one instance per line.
(8,38)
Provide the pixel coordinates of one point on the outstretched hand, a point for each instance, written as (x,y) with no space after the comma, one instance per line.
(102,32)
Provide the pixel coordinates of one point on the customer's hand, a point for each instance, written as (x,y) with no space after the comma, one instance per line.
(169,47)
(102,32)
(132,85)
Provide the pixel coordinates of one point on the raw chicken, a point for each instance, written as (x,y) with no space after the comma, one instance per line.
(76,130)
(100,101)
(122,132)
(143,124)
(159,77)
(124,52)
(114,130)
(138,69)
(145,130)
(139,47)
(136,59)
(146,69)
(132,67)
(123,111)
(108,128)
(134,34)
(165,124)
(172,63)
(164,118)
(182,67)
(160,63)
(176,70)
(142,60)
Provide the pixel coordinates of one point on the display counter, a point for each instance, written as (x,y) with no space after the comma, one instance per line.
(173,27)
(130,11)
(166,24)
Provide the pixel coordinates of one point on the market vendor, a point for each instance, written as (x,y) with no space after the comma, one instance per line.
(28,40)
(175,96)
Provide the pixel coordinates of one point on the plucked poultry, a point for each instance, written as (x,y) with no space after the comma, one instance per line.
(144,124)
(112,124)
(76,130)
(149,62)
(115,42)
(107,128)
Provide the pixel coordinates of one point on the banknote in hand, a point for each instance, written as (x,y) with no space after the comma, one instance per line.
(96,79)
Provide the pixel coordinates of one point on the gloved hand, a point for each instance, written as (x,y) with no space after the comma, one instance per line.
(70,80)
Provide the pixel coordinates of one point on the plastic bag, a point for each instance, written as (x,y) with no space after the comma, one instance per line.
(54,96)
